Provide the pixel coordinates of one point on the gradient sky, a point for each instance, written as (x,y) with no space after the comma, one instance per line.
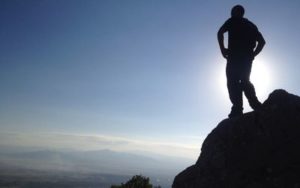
(144,71)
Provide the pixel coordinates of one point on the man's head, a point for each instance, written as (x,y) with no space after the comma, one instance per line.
(237,11)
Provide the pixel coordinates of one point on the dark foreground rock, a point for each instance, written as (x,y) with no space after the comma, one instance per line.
(257,150)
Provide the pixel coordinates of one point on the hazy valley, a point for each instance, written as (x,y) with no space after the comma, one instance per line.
(102,168)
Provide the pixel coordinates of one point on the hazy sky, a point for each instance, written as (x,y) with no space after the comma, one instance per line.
(148,71)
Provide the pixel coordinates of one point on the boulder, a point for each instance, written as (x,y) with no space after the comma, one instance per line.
(260,149)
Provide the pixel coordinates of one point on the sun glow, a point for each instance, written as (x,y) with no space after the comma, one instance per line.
(261,77)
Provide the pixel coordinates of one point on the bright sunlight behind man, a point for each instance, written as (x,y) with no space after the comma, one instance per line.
(261,77)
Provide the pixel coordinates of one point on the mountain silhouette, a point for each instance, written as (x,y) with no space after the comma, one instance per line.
(256,150)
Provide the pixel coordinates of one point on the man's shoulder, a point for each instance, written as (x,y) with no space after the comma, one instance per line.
(239,21)
(249,23)
(229,20)
(228,23)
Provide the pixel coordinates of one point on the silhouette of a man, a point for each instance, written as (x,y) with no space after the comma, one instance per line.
(244,43)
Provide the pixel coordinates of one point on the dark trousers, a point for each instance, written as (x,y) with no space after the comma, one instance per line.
(238,81)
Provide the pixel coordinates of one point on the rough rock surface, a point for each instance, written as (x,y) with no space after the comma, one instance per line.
(257,150)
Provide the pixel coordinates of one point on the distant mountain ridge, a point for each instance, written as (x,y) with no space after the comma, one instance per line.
(160,168)
(99,160)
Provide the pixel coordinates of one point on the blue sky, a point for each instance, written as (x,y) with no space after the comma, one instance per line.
(148,71)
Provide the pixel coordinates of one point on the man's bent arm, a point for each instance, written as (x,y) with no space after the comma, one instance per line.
(221,32)
(261,43)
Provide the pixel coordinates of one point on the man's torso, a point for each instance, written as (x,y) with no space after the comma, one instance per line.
(242,37)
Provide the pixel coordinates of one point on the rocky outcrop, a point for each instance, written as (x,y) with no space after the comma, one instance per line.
(257,150)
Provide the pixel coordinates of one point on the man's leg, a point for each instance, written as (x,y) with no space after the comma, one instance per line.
(249,89)
(234,90)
